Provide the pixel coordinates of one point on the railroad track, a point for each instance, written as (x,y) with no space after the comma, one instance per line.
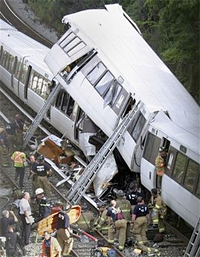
(80,249)
(7,14)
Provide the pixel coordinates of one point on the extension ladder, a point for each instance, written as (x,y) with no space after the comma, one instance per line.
(82,184)
(193,248)
(30,132)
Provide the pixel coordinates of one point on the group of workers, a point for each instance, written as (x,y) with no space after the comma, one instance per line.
(121,220)
(51,246)
(122,217)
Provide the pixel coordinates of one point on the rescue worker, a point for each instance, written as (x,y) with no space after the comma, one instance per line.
(159,210)
(42,170)
(102,222)
(160,164)
(50,246)
(140,220)
(4,147)
(63,233)
(126,209)
(117,224)
(19,159)
(133,194)
(44,206)
(32,163)
(86,221)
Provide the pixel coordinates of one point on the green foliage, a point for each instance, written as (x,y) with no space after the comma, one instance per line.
(171,27)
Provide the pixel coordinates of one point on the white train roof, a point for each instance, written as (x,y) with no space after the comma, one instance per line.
(18,44)
(121,47)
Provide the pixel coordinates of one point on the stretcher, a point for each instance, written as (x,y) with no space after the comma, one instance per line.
(49,223)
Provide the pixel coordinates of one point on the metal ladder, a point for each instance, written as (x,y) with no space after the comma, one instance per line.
(30,132)
(193,248)
(82,184)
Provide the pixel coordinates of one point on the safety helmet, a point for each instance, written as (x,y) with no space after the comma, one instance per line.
(39,191)
(154,191)
(162,149)
(120,193)
(40,158)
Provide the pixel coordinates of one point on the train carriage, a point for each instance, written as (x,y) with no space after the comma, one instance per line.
(111,62)
(106,68)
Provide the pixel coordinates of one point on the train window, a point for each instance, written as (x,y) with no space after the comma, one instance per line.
(65,103)
(8,61)
(96,73)
(104,84)
(1,53)
(11,64)
(17,70)
(152,142)
(76,49)
(45,91)
(59,99)
(138,126)
(179,168)
(72,44)
(5,59)
(24,73)
(40,85)
(112,93)
(198,189)
(191,175)
(67,39)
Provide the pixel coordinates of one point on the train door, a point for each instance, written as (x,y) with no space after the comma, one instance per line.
(23,81)
(64,114)
(154,141)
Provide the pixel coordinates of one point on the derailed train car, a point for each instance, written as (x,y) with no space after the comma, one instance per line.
(106,68)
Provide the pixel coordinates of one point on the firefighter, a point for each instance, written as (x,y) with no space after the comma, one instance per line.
(159,210)
(160,164)
(102,222)
(50,246)
(31,163)
(86,221)
(126,209)
(140,220)
(64,233)
(44,206)
(19,159)
(133,194)
(42,170)
(117,224)
(4,147)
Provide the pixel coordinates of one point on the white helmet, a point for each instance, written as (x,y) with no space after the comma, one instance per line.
(39,191)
